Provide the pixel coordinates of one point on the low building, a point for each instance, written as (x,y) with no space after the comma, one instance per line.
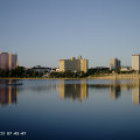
(41,69)
(73,64)
(136,62)
(125,69)
(8,61)
(115,64)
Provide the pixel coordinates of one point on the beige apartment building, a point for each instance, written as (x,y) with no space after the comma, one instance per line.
(73,64)
(136,62)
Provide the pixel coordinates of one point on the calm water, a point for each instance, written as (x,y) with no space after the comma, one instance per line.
(70,109)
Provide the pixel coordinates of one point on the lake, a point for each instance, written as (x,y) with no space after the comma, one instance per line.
(70,109)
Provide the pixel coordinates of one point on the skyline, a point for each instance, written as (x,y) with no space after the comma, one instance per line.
(42,32)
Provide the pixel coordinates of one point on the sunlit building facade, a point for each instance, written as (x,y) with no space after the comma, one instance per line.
(136,62)
(8,61)
(73,64)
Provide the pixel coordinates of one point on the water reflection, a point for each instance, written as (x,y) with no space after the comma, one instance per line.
(74,90)
(77,91)
(136,92)
(115,92)
(8,94)
(116,88)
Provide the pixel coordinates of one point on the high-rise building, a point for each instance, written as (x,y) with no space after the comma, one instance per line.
(136,62)
(8,61)
(115,64)
(73,64)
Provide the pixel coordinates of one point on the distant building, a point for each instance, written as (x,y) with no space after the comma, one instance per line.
(8,61)
(41,69)
(136,62)
(125,69)
(115,64)
(73,64)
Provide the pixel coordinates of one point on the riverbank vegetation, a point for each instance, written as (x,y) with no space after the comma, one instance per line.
(67,74)
(21,72)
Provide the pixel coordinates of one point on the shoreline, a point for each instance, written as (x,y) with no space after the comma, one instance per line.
(103,77)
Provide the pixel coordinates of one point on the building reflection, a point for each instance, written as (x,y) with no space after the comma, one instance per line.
(8,94)
(136,92)
(115,92)
(77,91)
(116,88)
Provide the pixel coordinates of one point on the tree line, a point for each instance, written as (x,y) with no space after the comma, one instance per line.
(20,72)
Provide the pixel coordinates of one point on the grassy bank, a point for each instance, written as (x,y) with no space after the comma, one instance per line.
(38,78)
(107,76)
(116,76)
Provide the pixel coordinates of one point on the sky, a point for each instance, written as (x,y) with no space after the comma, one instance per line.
(43,31)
